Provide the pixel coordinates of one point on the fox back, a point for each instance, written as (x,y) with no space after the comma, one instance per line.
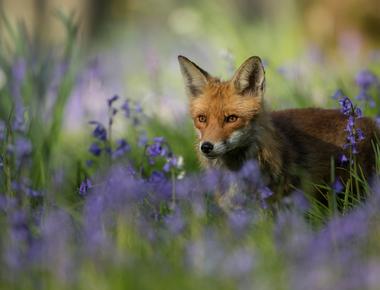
(290,145)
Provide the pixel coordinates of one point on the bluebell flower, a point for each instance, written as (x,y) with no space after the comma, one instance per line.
(360,135)
(138,108)
(143,140)
(122,148)
(358,112)
(337,186)
(265,192)
(337,95)
(239,220)
(157,176)
(111,100)
(238,264)
(366,97)
(250,170)
(100,131)
(126,108)
(156,149)
(19,70)
(351,140)
(299,200)
(354,135)
(171,162)
(19,123)
(175,222)
(32,193)
(346,105)
(95,149)
(85,186)
(159,139)
(365,79)
(22,147)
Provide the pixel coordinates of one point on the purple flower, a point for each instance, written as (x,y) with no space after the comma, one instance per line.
(156,149)
(19,123)
(111,100)
(350,124)
(249,171)
(354,135)
(265,192)
(351,140)
(143,140)
(175,222)
(358,112)
(157,176)
(337,95)
(346,105)
(299,201)
(171,162)
(364,96)
(360,135)
(239,220)
(19,70)
(122,148)
(85,186)
(138,108)
(337,186)
(22,147)
(32,193)
(126,108)
(95,149)
(365,79)
(239,263)
(99,132)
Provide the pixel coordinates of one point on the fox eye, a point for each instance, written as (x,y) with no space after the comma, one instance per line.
(202,118)
(231,118)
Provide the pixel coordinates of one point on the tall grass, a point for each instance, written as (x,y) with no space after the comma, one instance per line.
(39,82)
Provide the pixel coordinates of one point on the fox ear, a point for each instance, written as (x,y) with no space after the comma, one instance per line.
(195,78)
(249,79)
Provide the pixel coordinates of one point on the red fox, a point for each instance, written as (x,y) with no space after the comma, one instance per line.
(291,146)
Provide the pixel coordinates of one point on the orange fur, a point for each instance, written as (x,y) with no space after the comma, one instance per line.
(291,146)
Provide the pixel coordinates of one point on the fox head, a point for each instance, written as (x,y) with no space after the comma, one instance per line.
(223,111)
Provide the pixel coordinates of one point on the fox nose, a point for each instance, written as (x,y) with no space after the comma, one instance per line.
(207,147)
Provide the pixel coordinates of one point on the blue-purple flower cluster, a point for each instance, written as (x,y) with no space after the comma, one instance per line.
(216,229)
(354,135)
(15,156)
(369,90)
(366,81)
(161,161)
